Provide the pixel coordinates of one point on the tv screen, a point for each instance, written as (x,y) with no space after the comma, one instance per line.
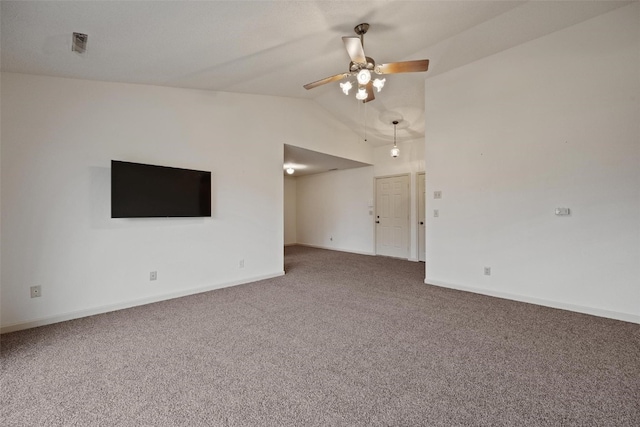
(149,191)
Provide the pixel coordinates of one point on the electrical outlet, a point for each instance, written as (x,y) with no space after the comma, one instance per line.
(153,275)
(241,263)
(331,238)
(487,271)
(36,291)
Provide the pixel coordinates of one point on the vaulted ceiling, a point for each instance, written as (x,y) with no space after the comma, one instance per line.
(275,47)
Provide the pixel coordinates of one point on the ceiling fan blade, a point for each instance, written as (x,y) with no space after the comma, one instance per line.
(370,95)
(355,49)
(403,67)
(325,81)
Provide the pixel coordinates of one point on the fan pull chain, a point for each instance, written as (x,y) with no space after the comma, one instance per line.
(365,122)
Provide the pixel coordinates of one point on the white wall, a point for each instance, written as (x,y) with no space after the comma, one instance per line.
(411,161)
(551,123)
(58,137)
(290,211)
(333,210)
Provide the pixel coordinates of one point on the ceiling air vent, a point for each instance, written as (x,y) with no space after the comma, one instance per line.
(79,42)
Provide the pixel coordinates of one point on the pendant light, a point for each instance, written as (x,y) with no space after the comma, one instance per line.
(395,151)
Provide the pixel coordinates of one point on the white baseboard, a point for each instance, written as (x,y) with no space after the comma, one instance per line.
(627,317)
(120,306)
(336,249)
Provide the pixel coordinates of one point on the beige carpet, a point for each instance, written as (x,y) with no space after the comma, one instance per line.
(341,339)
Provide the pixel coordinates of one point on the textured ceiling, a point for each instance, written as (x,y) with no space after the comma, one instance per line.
(274,47)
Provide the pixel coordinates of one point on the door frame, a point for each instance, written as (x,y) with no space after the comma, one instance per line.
(424,175)
(375,212)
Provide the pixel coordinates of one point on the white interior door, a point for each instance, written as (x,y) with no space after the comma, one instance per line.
(420,178)
(392,216)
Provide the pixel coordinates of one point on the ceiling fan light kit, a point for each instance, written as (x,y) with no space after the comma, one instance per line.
(361,67)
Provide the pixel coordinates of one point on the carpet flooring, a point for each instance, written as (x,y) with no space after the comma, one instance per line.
(340,340)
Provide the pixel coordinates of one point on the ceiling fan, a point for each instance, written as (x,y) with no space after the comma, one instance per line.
(361,67)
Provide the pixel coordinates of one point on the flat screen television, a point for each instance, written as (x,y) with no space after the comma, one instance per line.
(149,191)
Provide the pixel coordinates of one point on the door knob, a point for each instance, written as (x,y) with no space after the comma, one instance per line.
(377,222)
(421,222)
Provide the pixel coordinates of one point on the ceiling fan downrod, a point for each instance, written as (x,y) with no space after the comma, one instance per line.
(361,30)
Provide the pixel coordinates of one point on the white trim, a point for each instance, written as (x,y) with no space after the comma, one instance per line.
(417,195)
(395,175)
(114,307)
(338,250)
(626,317)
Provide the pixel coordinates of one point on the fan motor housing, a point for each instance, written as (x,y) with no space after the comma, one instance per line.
(370,65)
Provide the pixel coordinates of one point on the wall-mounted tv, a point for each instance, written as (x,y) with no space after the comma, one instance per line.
(149,191)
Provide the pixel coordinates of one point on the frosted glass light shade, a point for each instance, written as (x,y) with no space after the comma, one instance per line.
(346,87)
(364,76)
(379,84)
